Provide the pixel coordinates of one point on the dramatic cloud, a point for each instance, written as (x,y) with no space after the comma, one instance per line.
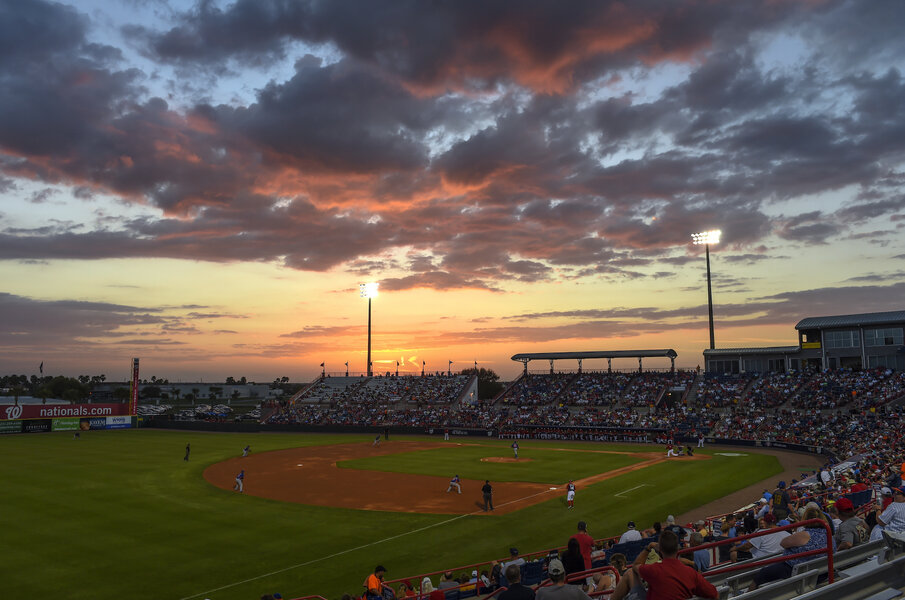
(453,146)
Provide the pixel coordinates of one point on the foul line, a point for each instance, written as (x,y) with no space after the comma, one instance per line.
(629,490)
(335,554)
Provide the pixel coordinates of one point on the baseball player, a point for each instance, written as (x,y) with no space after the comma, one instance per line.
(454,483)
(240,482)
(245,451)
(376,440)
(515,448)
(570,494)
(188,450)
(670,451)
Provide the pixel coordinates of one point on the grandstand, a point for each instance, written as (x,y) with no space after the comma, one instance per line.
(840,397)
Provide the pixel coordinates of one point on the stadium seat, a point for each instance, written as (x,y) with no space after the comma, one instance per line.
(785,589)
(880,583)
(532,572)
(841,560)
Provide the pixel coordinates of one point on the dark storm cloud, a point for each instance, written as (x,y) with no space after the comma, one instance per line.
(466,42)
(372,129)
(346,162)
(28,321)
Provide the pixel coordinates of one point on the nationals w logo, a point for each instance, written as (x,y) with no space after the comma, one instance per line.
(13,412)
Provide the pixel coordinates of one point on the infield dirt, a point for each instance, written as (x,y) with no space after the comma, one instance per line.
(311,476)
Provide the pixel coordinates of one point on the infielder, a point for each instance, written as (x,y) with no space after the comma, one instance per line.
(240,482)
(515,448)
(570,494)
(245,451)
(454,483)
(376,440)
(670,451)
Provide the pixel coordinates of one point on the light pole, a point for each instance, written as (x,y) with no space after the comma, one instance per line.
(369,290)
(707,238)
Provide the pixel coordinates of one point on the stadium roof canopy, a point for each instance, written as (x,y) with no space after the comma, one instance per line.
(529,356)
(877,318)
(742,351)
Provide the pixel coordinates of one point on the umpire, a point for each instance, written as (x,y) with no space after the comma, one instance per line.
(488,495)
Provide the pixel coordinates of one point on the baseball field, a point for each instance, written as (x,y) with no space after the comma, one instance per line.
(120,514)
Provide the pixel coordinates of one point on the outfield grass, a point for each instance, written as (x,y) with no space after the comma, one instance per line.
(537,465)
(118,514)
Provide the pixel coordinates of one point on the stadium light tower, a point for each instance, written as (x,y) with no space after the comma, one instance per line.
(369,290)
(707,238)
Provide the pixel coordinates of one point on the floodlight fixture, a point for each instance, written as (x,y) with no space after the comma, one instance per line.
(706,238)
(369,291)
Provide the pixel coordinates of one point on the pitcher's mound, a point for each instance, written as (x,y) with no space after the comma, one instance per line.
(503,459)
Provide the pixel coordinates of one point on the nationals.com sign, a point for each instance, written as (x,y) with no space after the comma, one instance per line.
(54,411)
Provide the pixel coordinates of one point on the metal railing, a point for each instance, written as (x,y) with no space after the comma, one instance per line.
(828,550)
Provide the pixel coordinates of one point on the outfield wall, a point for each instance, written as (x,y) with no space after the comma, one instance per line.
(631,436)
(41,418)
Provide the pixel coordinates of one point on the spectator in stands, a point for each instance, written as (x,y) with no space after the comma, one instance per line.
(652,531)
(484,580)
(447,581)
(780,501)
(853,529)
(572,559)
(374,583)
(701,558)
(808,538)
(608,581)
(893,518)
(559,590)
(667,580)
(631,535)
(676,529)
(585,543)
(516,591)
(514,559)
(763,545)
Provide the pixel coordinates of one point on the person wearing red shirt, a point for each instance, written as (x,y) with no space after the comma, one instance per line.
(670,579)
(585,543)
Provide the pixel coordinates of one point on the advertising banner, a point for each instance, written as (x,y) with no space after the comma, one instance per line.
(57,411)
(97,423)
(123,422)
(67,424)
(133,391)
(37,426)
(10,427)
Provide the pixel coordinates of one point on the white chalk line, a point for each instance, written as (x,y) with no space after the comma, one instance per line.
(335,554)
(629,490)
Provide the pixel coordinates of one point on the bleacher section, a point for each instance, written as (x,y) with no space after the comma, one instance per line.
(850,413)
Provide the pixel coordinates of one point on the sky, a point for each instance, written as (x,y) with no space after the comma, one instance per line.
(204,185)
